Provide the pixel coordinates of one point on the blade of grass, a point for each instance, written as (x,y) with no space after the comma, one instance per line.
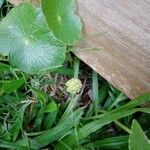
(49,120)
(65,71)
(38,120)
(95,91)
(121,97)
(93,126)
(144,98)
(103,92)
(57,132)
(119,142)
(4,67)
(9,145)
(72,104)
(17,126)
(12,85)
(76,67)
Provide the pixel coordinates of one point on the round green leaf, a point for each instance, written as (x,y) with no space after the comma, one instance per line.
(61,18)
(26,38)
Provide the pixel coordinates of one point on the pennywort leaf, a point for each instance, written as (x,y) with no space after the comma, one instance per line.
(27,40)
(61,18)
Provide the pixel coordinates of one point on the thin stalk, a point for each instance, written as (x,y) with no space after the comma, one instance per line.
(76,135)
(95,91)
(122,126)
(76,67)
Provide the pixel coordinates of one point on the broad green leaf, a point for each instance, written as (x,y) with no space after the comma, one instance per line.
(26,38)
(137,139)
(3,67)
(1,3)
(12,85)
(61,18)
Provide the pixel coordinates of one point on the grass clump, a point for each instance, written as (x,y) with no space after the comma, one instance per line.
(37,112)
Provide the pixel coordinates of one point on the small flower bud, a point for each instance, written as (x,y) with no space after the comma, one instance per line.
(73,86)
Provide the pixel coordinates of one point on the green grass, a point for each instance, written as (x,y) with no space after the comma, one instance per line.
(37,112)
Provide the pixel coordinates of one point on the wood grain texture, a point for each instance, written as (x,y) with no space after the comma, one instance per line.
(124,33)
(125,27)
(16,2)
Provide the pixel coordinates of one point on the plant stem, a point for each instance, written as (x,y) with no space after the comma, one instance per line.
(95,91)
(76,67)
(122,126)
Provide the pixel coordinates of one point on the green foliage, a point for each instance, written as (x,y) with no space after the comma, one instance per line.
(11,85)
(17,126)
(57,132)
(36,112)
(51,107)
(138,139)
(37,122)
(117,142)
(31,46)
(107,118)
(61,18)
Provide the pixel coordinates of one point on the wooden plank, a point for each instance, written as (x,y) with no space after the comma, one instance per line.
(125,27)
(16,2)
(125,59)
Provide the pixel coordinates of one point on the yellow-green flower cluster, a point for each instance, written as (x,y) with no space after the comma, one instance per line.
(73,86)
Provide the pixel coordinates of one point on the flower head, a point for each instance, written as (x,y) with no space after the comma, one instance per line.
(73,86)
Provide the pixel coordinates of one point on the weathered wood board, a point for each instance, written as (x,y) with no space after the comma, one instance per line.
(16,2)
(125,37)
(125,59)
